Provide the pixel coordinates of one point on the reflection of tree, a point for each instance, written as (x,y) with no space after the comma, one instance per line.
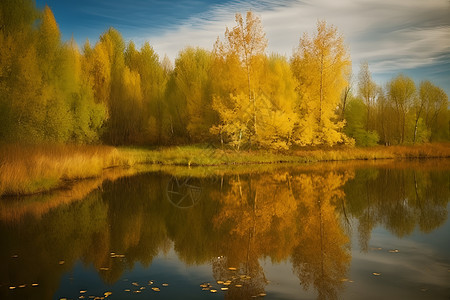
(399,199)
(321,256)
(64,234)
(257,214)
(277,215)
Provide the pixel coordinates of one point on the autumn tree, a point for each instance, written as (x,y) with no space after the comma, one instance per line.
(431,108)
(189,94)
(401,92)
(237,62)
(385,113)
(321,65)
(146,64)
(367,90)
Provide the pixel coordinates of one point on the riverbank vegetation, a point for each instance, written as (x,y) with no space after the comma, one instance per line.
(34,169)
(250,107)
(114,92)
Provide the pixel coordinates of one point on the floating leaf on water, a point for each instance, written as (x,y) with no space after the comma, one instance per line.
(107,294)
(81,297)
(224,288)
(213,291)
(376,274)
(127,290)
(344,279)
(205,289)
(165,284)
(104,269)
(138,291)
(219,282)
(238,285)
(12,287)
(142,288)
(135,283)
(227,283)
(232,269)
(150,282)
(83,291)
(15,256)
(350,281)
(393,251)
(22,285)
(61,262)
(34,284)
(155,289)
(262,294)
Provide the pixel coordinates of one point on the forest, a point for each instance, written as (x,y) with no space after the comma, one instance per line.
(116,93)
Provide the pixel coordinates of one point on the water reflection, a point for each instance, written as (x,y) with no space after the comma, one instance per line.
(230,222)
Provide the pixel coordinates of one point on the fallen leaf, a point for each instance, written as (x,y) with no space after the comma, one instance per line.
(83,291)
(213,291)
(34,284)
(262,294)
(127,290)
(22,286)
(107,294)
(135,283)
(61,262)
(393,251)
(376,274)
(219,282)
(12,287)
(155,289)
(238,285)
(165,284)
(224,288)
(232,269)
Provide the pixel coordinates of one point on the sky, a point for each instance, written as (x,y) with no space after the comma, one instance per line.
(394,36)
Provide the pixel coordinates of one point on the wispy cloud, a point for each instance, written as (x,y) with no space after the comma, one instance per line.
(410,36)
(393,36)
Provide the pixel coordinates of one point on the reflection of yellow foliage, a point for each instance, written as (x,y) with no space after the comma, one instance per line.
(13,210)
(321,257)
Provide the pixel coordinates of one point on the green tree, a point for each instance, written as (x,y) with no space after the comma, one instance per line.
(356,116)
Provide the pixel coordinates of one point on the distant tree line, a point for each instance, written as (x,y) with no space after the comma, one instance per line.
(236,94)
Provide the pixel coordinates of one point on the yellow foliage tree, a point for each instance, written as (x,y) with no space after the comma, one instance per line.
(321,65)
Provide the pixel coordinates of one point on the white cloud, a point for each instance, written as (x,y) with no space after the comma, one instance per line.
(392,35)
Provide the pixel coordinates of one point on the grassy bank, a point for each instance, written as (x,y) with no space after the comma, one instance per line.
(34,169)
(208,156)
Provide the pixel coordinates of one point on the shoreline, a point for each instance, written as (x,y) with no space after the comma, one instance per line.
(31,170)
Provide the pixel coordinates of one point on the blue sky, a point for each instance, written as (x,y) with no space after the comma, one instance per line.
(393,36)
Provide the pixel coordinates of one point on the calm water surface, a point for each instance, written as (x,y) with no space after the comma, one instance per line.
(331,231)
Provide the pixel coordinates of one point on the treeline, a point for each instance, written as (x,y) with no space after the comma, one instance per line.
(400,113)
(236,94)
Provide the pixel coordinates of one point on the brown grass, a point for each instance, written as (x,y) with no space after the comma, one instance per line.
(33,169)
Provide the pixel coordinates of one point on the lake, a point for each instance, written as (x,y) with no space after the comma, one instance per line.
(375,230)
